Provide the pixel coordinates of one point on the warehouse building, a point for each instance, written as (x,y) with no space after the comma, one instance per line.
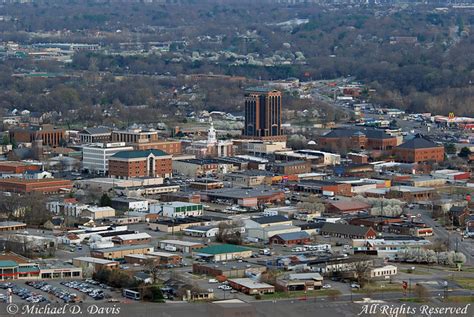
(229,269)
(119,253)
(223,252)
(251,287)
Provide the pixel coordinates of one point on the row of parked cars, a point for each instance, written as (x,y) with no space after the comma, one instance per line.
(23,293)
(85,287)
(58,292)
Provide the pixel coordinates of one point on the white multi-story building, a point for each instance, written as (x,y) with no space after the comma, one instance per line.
(177,209)
(95,157)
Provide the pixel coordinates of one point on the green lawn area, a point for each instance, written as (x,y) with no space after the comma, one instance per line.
(413,300)
(465,282)
(296,294)
(380,287)
(460,299)
(415,272)
(463,269)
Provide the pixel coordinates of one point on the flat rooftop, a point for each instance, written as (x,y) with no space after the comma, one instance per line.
(231,265)
(94,260)
(250,284)
(180,242)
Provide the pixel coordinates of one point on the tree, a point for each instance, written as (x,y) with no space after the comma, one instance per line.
(450,148)
(6,139)
(229,232)
(105,201)
(153,268)
(312,205)
(465,152)
(362,269)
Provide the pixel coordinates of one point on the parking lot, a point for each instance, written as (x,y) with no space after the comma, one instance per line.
(55,291)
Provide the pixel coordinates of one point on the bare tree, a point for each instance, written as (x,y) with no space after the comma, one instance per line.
(154,269)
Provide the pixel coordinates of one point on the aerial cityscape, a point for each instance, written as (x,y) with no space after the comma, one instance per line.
(236,158)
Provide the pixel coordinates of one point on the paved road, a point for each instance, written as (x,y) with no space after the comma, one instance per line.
(455,240)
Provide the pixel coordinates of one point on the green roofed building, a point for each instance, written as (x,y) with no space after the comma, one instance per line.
(223,252)
(140,163)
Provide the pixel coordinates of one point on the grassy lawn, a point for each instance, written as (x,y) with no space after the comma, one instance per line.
(413,300)
(296,294)
(380,287)
(463,269)
(460,299)
(415,272)
(465,282)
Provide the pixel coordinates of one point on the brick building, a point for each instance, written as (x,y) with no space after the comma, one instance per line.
(419,150)
(353,139)
(146,163)
(95,135)
(45,185)
(146,140)
(292,167)
(50,135)
(291,238)
(324,187)
(17,167)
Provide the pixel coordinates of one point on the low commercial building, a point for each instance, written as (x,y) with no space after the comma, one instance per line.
(223,252)
(158,258)
(299,282)
(14,266)
(292,238)
(12,226)
(383,273)
(411,194)
(60,272)
(179,224)
(180,245)
(411,228)
(251,287)
(130,204)
(15,167)
(177,209)
(328,188)
(95,212)
(88,263)
(130,239)
(349,206)
(231,269)
(340,230)
(268,221)
(201,231)
(292,167)
(388,247)
(266,233)
(45,186)
(166,257)
(119,253)
(245,197)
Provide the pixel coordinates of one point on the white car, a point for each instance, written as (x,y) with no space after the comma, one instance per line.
(355,285)
(326,286)
(213,281)
(225,287)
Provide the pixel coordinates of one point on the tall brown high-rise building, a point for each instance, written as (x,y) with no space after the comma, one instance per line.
(263,114)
